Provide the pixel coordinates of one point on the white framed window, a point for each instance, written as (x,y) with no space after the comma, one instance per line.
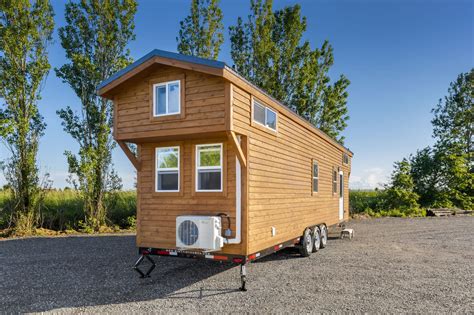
(315,176)
(167,169)
(264,115)
(167,98)
(209,167)
(334,181)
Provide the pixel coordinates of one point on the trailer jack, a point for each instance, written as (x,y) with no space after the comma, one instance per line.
(243,277)
(139,261)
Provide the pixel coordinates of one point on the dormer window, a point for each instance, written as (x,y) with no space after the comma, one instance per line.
(166,98)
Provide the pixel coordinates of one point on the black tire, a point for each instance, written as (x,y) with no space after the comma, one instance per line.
(316,239)
(306,244)
(324,235)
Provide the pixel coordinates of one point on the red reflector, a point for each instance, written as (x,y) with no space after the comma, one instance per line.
(252,256)
(163,252)
(220,257)
(237,260)
(277,247)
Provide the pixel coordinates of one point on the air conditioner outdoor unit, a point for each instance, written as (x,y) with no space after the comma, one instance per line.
(199,232)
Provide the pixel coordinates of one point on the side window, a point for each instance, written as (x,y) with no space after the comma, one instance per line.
(166,98)
(167,169)
(264,115)
(315,176)
(334,181)
(345,158)
(209,167)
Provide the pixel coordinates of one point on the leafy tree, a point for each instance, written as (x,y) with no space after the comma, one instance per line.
(200,32)
(400,192)
(427,177)
(25,33)
(269,51)
(453,129)
(95,39)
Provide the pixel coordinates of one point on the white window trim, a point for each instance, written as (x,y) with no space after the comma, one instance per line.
(265,110)
(208,167)
(315,177)
(157,169)
(165,84)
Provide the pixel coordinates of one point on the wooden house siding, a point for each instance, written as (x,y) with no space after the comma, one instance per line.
(280,176)
(203,105)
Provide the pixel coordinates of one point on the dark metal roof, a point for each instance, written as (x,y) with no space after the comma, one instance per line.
(163,54)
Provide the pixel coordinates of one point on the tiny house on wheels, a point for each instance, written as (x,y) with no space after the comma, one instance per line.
(224,171)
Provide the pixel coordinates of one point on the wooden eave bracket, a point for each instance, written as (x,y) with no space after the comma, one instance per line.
(240,154)
(132,157)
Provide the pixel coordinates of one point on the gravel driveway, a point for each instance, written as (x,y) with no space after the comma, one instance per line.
(392,265)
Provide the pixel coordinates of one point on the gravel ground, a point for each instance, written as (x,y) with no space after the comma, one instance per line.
(392,265)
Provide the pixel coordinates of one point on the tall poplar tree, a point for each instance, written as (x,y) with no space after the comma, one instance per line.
(25,33)
(95,39)
(453,129)
(201,32)
(269,51)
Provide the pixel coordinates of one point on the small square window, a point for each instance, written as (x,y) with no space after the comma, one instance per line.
(345,158)
(264,115)
(166,98)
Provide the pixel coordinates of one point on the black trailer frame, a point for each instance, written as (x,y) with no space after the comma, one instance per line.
(147,252)
(242,260)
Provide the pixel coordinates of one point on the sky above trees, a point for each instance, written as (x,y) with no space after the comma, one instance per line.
(399,55)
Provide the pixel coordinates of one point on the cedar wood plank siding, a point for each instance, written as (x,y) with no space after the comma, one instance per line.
(276,184)
(280,176)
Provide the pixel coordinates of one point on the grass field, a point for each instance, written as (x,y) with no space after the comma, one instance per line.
(62,210)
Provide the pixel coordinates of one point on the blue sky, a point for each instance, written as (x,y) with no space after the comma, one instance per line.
(400,56)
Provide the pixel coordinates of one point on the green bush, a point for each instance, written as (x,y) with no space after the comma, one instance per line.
(374,203)
(362,200)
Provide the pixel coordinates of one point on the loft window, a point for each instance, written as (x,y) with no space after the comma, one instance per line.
(166,98)
(315,176)
(334,181)
(209,167)
(167,169)
(345,158)
(264,115)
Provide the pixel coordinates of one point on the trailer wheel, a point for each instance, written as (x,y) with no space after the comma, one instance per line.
(307,242)
(324,235)
(316,239)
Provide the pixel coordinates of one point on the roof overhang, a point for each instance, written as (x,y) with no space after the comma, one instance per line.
(157,56)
